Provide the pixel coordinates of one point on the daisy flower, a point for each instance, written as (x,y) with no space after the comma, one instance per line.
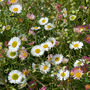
(49,26)
(15,77)
(53,41)
(13,1)
(79,62)
(78,74)
(45,67)
(57,59)
(11,54)
(43,21)
(72,17)
(37,51)
(14,43)
(35,66)
(64,12)
(46,45)
(76,45)
(35,28)
(63,74)
(16,8)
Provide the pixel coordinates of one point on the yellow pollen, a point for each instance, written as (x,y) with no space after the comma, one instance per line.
(45,67)
(15,9)
(79,63)
(15,76)
(12,54)
(37,51)
(48,26)
(78,74)
(72,17)
(13,1)
(45,46)
(24,54)
(43,21)
(14,44)
(62,74)
(76,45)
(35,27)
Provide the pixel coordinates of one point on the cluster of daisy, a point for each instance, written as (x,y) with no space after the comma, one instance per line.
(39,50)
(17,77)
(13,44)
(44,21)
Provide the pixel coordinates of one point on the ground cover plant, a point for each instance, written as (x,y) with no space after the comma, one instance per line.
(44,44)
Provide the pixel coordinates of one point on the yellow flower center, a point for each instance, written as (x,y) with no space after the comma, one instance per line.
(76,45)
(37,51)
(12,54)
(12,1)
(36,66)
(15,9)
(62,74)
(15,76)
(14,44)
(57,59)
(81,29)
(78,74)
(35,27)
(45,46)
(43,21)
(52,41)
(65,12)
(72,18)
(48,26)
(45,67)
(24,54)
(79,63)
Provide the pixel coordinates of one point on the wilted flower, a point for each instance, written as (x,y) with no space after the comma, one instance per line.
(25,72)
(65,60)
(30,16)
(88,73)
(32,84)
(23,54)
(31,32)
(49,57)
(87,39)
(31,43)
(43,88)
(60,16)
(87,87)
(58,7)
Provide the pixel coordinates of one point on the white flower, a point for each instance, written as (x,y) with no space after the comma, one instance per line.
(17,8)
(23,80)
(46,45)
(45,67)
(79,62)
(53,41)
(1,0)
(76,45)
(11,54)
(15,77)
(14,43)
(13,1)
(35,66)
(37,51)
(72,17)
(49,26)
(63,74)
(43,21)
(57,59)
(35,28)
(64,12)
